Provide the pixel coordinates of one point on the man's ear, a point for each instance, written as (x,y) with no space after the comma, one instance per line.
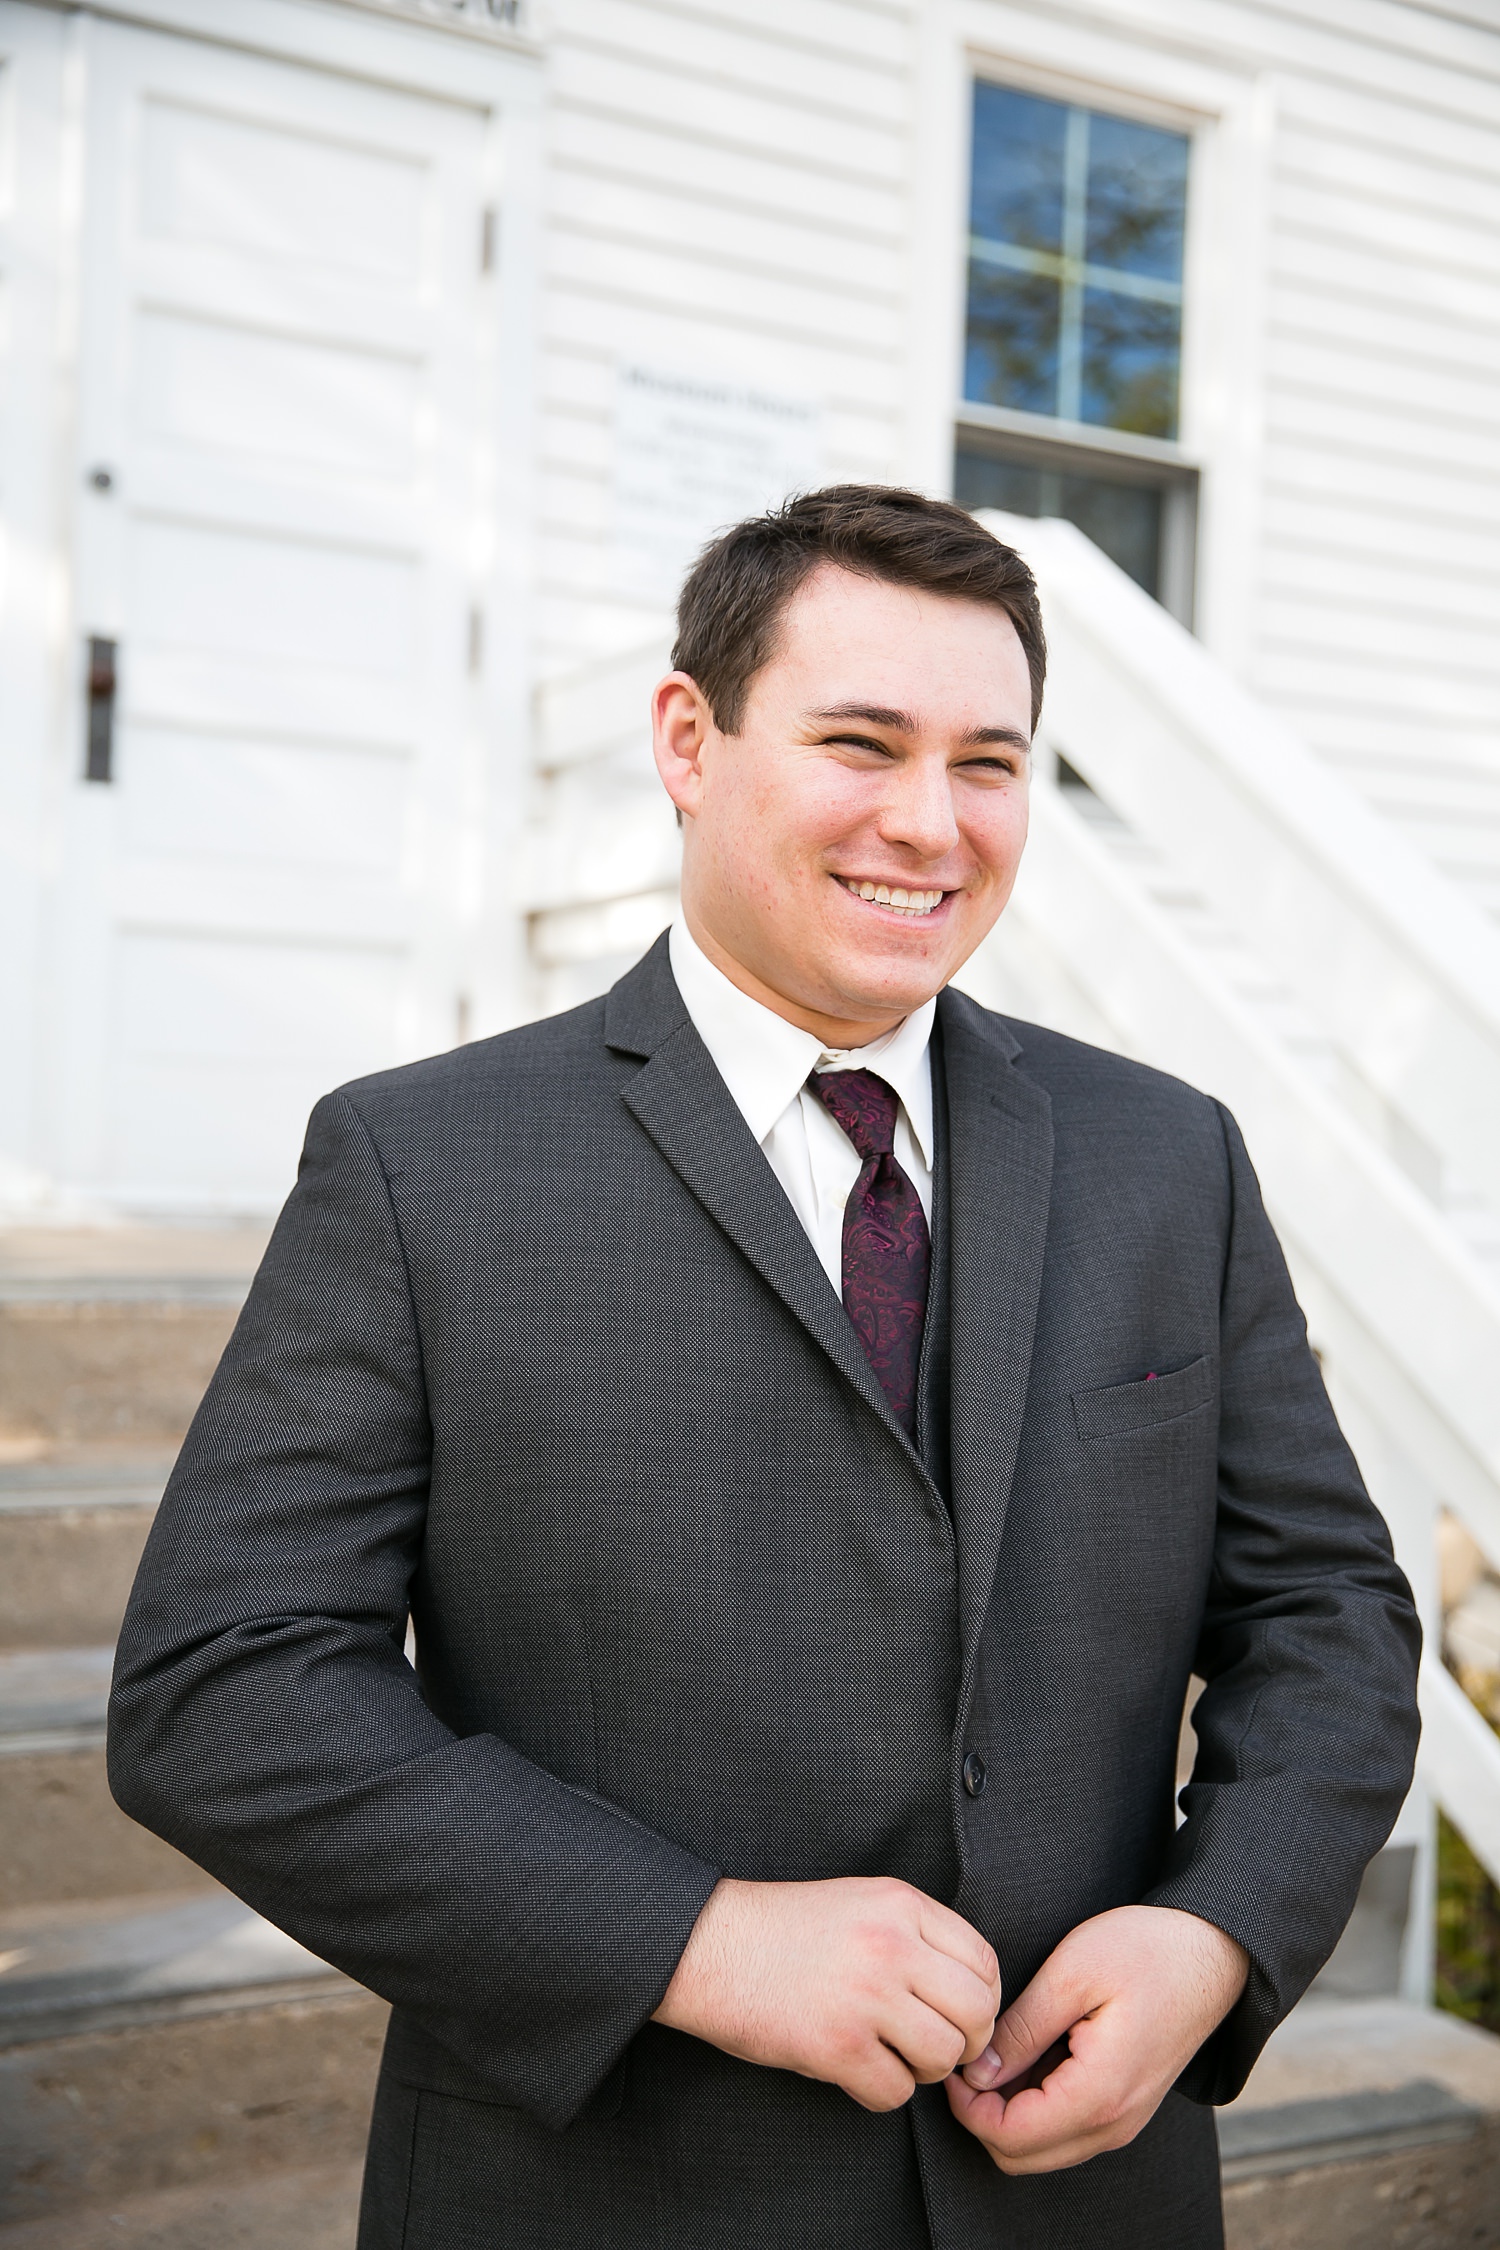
(681,723)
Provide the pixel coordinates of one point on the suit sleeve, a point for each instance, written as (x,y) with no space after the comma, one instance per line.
(1307,1727)
(265,1721)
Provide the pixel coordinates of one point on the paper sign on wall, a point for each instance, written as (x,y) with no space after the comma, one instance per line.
(693,455)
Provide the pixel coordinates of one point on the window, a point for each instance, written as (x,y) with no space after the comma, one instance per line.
(1076,226)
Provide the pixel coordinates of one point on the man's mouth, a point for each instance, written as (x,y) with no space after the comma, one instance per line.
(916,905)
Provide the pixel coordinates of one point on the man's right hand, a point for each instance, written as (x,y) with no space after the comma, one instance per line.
(862,1982)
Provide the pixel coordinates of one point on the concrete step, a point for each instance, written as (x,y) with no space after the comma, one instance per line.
(62,1836)
(108,1336)
(315,2209)
(158,2048)
(1366,2122)
(71,1533)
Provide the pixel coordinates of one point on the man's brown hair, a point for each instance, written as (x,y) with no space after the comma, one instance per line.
(736,594)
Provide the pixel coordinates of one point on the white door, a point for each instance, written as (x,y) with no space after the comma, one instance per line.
(279,408)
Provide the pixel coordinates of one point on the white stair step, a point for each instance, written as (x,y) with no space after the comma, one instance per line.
(62,1836)
(177,2045)
(71,1534)
(316,2208)
(53,1699)
(1365,2122)
(66,1972)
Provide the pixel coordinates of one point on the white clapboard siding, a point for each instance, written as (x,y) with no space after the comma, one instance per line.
(1300,521)
(1380,533)
(842,81)
(768,118)
(1387,382)
(721,176)
(603,207)
(878,29)
(738,292)
(728,196)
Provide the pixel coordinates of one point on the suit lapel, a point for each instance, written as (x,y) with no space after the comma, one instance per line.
(680,1100)
(1000,1157)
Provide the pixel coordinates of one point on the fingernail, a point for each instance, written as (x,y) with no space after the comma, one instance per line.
(983,2071)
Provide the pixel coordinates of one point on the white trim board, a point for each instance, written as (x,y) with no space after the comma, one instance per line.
(446,61)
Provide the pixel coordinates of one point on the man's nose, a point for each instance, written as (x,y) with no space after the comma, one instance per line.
(919,811)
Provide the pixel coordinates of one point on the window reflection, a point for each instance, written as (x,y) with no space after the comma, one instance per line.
(1129,370)
(1012,349)
(1075,274)
(1137,197)
(1018,168)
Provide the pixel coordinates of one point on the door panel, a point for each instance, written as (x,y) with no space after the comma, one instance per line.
(278,422)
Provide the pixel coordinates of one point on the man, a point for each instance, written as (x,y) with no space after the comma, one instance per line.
(800,1680)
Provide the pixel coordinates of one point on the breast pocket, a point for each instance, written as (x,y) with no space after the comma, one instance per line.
(1146,1404)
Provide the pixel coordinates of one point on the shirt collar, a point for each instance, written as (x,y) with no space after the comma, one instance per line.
(766,1061)
(900,1057)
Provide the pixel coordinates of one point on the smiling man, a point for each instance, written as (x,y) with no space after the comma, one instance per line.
(817,1428)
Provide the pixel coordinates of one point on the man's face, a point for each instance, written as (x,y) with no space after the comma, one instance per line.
(883,751)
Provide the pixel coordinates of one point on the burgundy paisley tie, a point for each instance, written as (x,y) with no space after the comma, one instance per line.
(887,1249)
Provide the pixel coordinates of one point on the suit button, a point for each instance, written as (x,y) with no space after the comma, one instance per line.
(975,1775)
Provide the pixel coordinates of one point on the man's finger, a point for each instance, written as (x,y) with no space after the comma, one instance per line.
(981,2114)
(966,2000)
(881,2081)
(1041,2122)
(927,2042)
(947,1932)
(1044,2013)
(1051,2157)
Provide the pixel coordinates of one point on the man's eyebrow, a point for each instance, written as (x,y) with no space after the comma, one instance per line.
(902,722)
(873,714)
(978,736)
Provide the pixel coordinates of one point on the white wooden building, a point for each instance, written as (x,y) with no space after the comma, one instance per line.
(369,369)
(348,350)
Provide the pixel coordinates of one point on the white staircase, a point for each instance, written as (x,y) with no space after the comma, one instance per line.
(1201,891)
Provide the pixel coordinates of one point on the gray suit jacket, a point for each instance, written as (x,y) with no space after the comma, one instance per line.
(540,1351)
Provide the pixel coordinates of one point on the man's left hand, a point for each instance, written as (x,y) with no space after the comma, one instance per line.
(1135,1992)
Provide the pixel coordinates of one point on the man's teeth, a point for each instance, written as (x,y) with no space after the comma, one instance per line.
(904,902)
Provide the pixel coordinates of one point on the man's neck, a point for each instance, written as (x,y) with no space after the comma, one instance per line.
(840,1032)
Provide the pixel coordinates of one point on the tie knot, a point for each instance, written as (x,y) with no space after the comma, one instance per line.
(863,1105)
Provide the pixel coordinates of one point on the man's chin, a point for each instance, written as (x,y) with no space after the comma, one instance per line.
(867,992)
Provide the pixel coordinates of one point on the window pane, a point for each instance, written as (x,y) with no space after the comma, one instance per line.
(1124,519)
(1011,358)
(980,481)
(1130,355)
(1018,168)
(1137,196)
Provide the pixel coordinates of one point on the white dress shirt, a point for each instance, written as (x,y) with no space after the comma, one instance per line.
(766,1063)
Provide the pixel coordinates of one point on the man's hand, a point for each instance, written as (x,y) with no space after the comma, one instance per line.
(862,1982)
(1135,1992)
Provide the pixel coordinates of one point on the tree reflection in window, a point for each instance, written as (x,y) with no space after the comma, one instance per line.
(1075,263)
